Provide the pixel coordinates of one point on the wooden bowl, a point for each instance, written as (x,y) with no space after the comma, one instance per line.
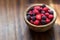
(40,28)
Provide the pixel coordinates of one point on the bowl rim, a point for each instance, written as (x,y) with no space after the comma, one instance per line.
(39,25)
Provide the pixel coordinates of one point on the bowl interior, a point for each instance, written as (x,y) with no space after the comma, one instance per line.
(39,25)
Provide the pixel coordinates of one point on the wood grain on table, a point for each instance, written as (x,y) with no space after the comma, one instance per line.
(13,26)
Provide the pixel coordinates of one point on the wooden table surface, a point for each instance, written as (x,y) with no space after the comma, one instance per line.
(13,26)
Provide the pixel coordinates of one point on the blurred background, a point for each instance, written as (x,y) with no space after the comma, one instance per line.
(13,26)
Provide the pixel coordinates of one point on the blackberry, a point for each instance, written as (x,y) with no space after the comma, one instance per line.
(44,17)
(27,14)
(43,6)
(28,17)
(43,22)
(50,11)
(33,14)
(33,18)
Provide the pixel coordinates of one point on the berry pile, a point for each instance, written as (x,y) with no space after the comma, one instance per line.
(40,15)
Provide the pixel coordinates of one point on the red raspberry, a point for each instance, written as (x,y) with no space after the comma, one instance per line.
(35,11)
(47,20)
(31,21)
(36,7)
(36,22)
(47,14)
(42,14)
(30,12)
(40,8)
(45,9)
(50,16)
(38,17)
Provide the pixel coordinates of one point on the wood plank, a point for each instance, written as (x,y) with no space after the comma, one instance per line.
(11,19)
(13,26)
(24,28)
(4,31)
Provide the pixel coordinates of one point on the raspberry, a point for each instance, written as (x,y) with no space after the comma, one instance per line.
(45,9)
(40,9)
(47,20)
(42,15)
(47,14)
(43,12)
(35,11)
(36,22)
(50,16)
(30,12)
(38,17)
(32,21)
(37,7)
